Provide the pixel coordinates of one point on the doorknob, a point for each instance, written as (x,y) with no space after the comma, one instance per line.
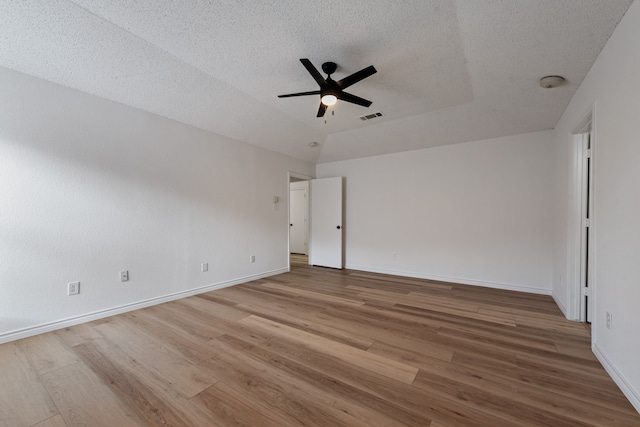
(290,225)
(338,227)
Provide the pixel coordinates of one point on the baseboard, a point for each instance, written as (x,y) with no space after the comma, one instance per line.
(618,378)
(560,305)
(65,323)
(495,285)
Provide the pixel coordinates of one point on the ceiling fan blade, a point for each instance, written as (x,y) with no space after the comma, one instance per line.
(321,110)
(288,95)
(344,96)
(357,76)
(313,71)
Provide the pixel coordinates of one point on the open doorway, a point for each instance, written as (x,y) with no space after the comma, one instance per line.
(298,220)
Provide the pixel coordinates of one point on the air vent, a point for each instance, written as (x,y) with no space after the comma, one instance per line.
(371,116)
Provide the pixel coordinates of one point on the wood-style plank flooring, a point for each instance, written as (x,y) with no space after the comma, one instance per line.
(317,347)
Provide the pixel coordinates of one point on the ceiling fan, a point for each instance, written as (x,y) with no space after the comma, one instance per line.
(330,90)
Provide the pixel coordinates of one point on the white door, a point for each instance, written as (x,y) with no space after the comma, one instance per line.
(326,222)
(298,221)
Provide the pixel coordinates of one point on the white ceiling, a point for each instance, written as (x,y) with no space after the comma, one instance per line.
(449,71)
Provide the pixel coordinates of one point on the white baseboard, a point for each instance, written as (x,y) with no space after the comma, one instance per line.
(618,378)
(495,285)
(64,323)
(560,305)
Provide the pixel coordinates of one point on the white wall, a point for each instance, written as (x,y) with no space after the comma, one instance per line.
(90,187)
(477,213)
(613,86)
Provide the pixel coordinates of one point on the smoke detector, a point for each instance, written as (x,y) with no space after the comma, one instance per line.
(550,82)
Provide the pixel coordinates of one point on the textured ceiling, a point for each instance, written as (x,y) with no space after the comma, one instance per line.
(449,71)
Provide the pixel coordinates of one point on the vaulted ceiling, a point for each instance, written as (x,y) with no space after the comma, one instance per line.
(449,71)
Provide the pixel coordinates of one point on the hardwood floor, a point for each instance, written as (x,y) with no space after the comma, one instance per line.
(317,347)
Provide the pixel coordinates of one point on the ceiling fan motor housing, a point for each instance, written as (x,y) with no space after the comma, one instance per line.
(329,67)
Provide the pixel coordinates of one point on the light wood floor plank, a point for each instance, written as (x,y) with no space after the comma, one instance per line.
(185,377)
(189,412)
(522,397)
(418,283)
(395,370)
(217,321)
(326,377)
(83,399)
(499,406)
(231,408)
(189,347)
(315,296)
(330,332)
(23,398)
(47,352)
(270,389)
(180,317)
(410,401)
(140,398)
(323,402)
(56,421)
(78,334)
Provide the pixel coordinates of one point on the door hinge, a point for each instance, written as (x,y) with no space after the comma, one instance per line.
(587,222)
(587,154)
(585,292)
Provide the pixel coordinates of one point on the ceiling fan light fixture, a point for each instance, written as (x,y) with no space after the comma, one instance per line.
(329,99)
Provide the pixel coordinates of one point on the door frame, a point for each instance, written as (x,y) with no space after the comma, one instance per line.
(302,177)
(580,186)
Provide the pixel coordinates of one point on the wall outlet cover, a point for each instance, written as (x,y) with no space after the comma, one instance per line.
(73,288)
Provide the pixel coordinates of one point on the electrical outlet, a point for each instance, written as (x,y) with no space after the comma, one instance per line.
(204,267)
(252,258)
(608,320)
(124,276)
(73,288)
